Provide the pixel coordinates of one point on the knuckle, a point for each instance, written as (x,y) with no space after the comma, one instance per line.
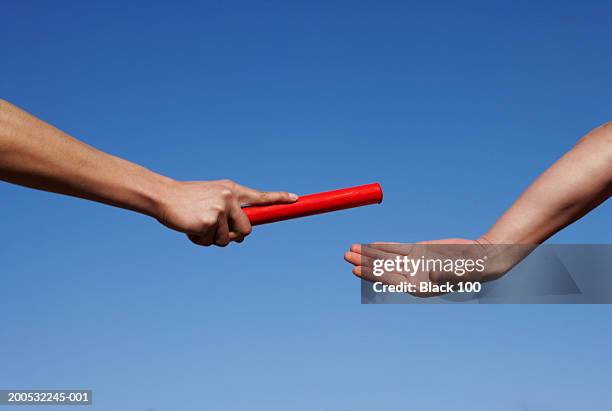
(226,194)
(605,130)
(208,221)
(227,182)
(197,240)
(215,211)
(242,232)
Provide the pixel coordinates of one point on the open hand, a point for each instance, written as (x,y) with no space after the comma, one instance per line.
(470,261)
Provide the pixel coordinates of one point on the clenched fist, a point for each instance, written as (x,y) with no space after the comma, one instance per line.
(210,212)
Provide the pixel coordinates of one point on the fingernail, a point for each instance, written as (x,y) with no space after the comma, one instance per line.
(293,196)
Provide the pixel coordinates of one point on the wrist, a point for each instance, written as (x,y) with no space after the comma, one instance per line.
(490,239)
(503,253)
(156,195)
(138,188)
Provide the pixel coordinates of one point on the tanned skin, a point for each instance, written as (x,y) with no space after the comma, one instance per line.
(574,185)
(37,155)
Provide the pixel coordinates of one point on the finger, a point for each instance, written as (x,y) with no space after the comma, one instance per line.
(390,251)
(236,238)
(356,248)
(386,247)
(222,236)
(239,223)
(366,273)
(196,239)
(377,244)
(352,258)
(255,197)
(397,248)
(359,259)
(371,252)
(208,236)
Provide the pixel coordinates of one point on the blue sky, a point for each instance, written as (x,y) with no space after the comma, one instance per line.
(453,107)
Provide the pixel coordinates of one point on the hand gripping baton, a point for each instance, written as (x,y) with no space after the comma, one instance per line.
(316,204)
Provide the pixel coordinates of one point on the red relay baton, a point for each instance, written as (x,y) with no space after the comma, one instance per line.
(316,204)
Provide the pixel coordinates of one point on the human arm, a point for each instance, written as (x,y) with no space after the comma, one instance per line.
(574,185)
(38,155)
(569,189)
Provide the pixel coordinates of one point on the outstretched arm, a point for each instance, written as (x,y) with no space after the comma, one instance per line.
(38,155)
(569,189)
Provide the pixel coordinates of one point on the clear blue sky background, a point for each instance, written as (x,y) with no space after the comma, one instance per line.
(453,107)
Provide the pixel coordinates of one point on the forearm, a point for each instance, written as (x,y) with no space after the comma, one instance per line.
(570,188)
(36,154)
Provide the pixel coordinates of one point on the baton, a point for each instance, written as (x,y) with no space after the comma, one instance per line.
(318,203)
